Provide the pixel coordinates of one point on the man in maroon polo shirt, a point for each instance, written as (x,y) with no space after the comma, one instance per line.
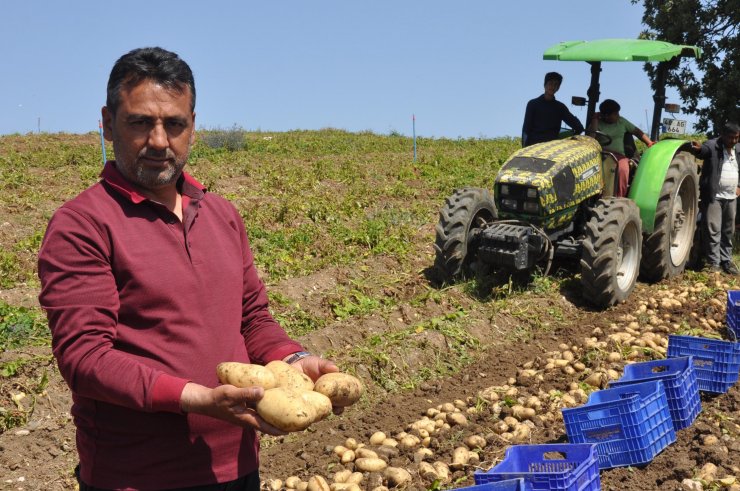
(148,282)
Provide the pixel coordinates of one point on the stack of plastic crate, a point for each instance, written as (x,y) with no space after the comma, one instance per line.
(557,467)
(630,425)
(679,381)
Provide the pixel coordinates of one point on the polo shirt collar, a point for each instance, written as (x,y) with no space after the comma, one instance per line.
(187,184)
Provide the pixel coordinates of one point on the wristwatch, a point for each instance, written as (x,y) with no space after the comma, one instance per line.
(297,356)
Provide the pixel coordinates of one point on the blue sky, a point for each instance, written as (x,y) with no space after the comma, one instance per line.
(464,68)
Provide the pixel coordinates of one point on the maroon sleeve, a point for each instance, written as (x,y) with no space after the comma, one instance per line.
(80,297)
(265,339)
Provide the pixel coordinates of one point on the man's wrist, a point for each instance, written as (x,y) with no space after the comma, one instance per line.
(296,356)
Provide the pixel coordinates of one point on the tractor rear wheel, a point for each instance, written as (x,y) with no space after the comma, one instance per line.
(465,211)
(610,256)
(668,248)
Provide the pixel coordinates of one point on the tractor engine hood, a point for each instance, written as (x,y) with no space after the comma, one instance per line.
(545,183)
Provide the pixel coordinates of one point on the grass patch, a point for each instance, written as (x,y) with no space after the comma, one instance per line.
(385,355)
(20,326)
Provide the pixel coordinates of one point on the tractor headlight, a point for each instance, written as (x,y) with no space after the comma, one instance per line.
(531,207)
(504,190)
(509,203)
(532,193)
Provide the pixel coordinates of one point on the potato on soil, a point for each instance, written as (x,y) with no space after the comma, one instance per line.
(342,388)
(291,410)
(245,375)
(289,377)
(370,465)
(396,476)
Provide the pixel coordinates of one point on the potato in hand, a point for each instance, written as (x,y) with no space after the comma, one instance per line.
(292,402)
(246,375)
(341,388)
(292,410)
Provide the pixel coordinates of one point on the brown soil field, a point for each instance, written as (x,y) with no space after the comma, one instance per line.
(41,454)
(537,340)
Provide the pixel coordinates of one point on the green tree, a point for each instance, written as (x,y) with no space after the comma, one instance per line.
(709,87)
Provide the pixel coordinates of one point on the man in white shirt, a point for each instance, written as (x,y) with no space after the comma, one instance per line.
(718,191)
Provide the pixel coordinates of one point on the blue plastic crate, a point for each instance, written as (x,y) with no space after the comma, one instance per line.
(508,485)
(630,425)
(559,467)
(733,313)
(716,362)
(679,381)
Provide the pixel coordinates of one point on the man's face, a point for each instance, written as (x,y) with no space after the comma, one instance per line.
(729,140)
(612,117)
(152,132)
(551,87)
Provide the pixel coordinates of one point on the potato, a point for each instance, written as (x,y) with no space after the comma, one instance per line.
(317,483)
(366,452)
(320,403)
(245,375)
(370,465)
(427,471)
(342,388)
(443,470)
(292,482)
(475,441)
(460,457)
(355,478)
(396,476)
(377,438)
(289,377)
(290,410)
(344,486)
(347,457)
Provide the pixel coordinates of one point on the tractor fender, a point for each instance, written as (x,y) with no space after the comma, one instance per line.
(648,182)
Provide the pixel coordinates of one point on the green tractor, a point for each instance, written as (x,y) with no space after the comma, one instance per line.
(556,199)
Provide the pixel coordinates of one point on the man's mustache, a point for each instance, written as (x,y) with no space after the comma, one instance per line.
(166,154)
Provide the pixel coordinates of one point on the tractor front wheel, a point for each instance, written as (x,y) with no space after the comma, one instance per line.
(610,257)
(667,250)
(465,211)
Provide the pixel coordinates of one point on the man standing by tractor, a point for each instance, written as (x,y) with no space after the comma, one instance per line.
(545,115)
(718,191)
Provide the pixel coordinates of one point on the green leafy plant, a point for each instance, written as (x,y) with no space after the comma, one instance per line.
(20,326)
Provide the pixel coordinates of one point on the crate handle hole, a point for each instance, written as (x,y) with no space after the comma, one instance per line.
(555,456)
(627,395)
(660,369)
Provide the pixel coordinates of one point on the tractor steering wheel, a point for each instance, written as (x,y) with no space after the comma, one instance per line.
(603,139)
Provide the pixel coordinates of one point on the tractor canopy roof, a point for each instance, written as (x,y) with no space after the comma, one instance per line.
(619,50)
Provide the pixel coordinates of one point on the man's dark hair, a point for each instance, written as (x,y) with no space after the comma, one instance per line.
(553,76)
(156,64)
(730,127)
(609,106)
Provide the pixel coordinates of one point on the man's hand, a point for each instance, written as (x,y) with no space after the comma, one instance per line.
(228,403)
(315,367)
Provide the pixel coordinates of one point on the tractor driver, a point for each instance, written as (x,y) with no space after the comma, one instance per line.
(609,122)
(545,114)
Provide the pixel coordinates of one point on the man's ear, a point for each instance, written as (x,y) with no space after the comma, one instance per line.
(107,123)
